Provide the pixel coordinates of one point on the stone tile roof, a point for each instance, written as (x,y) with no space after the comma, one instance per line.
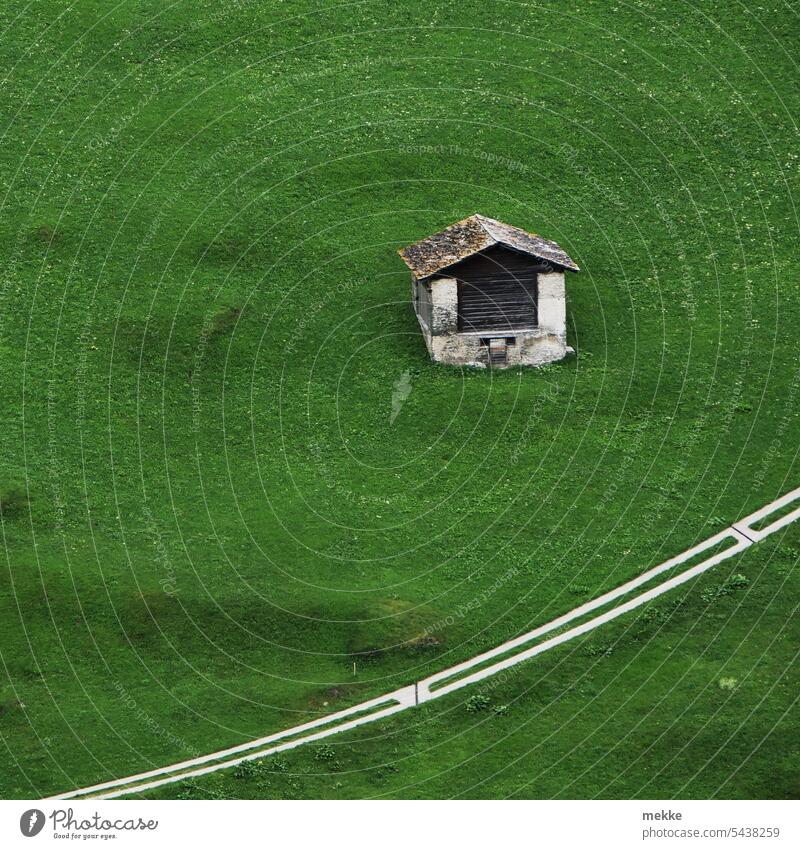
(474,234)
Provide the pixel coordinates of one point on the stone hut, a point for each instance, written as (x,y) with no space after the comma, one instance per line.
(486,293)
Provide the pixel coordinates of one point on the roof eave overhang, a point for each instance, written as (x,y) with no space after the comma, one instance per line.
(573,268)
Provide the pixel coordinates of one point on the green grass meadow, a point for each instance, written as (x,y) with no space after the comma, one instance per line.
(692,698)
(213,528)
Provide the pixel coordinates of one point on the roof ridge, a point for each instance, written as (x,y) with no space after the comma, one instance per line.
(483,219)
(472,234)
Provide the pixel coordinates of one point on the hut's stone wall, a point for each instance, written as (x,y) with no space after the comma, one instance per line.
(552,298)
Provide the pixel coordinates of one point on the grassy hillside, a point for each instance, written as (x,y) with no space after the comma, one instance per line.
(207,515)
(696,697)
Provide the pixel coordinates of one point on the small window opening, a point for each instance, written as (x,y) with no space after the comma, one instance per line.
(498,351)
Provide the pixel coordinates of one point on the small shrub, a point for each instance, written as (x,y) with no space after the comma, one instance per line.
(728,683)
(477,703)
(602,650)
(325,753)
(737,582)
(500,710)
(188,790)
(248,771)
(650,614)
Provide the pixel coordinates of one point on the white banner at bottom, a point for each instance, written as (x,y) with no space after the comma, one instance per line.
(403,825)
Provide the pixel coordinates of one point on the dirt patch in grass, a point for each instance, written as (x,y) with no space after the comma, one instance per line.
(224,322)
(392,626)
(13,503)
(47,235)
